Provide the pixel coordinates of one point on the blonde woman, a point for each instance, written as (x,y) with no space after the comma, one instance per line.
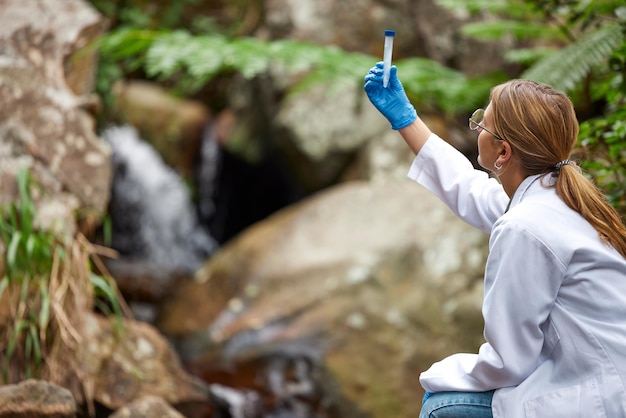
(555,280)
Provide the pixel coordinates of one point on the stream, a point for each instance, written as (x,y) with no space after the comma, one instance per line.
(162,231)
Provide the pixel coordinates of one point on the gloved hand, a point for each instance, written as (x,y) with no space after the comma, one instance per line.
(392,101)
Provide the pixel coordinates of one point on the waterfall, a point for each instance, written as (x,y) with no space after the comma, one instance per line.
(234,193)
(152,214)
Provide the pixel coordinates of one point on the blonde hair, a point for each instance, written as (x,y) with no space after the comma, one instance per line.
(540,124)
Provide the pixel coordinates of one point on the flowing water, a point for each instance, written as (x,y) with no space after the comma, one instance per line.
(152,214)
(154,220)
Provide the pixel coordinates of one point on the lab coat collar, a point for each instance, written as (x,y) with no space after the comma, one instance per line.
(524,186)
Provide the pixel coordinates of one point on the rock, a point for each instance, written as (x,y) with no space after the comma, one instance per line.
(35,398)
(127,361)
(45,76)
(355,290)
(423,28)
(147,407)
(322,130)
(44,126)
(173,126)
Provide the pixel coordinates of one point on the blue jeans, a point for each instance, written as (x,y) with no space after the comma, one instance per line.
(458,405)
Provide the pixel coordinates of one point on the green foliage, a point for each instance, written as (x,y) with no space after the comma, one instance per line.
(123,53)
(34,260)
(527,56)
(475,7)
(191,61)
(605,140)
(566,68)
(604,137)
(29,255)
(29,252)
(500,29)
(564,43)
(106,300)
(428,82)
(578,47)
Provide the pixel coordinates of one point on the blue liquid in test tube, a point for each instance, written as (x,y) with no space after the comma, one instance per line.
(389,35)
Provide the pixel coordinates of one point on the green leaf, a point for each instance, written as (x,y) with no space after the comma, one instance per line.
(567,67)
(4,283)
(474,6)
(428,82)
(249,56)
(167,54)
(102,287)
(31,242)
(496,30)
(36,345)
(527,56)
(127,42)
(12,250)
(24,289)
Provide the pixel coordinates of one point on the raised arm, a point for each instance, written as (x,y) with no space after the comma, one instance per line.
(471,194)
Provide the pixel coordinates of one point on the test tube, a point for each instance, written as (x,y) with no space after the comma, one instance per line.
(389,34)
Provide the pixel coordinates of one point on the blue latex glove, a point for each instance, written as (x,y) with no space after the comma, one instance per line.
(391,101)
(426,396)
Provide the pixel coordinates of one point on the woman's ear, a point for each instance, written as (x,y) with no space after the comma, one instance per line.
(505,154)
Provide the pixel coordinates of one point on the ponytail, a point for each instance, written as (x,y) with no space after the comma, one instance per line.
(541,126)
(580,194)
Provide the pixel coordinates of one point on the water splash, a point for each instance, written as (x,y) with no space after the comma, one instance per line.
(153,217)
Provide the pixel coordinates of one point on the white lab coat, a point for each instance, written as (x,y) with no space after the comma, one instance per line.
(554,303)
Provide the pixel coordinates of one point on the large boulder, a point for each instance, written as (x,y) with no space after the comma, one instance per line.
(354,291)
(44,86)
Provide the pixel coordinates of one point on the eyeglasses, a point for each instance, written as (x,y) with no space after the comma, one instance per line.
(475,122)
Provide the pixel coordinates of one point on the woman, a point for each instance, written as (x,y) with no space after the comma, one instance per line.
(555,279)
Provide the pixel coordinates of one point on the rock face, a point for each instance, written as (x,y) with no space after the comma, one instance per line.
(129,361)
(32,398)
(359,288)
(46,75)
(43,123)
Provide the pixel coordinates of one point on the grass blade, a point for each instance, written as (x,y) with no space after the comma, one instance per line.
(12,250)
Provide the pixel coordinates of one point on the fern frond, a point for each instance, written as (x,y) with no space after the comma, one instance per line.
(192,60)
(527,56)
(128,44)
(249,56)
(493,31)
(167,54)
(196,59)
(566,68)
